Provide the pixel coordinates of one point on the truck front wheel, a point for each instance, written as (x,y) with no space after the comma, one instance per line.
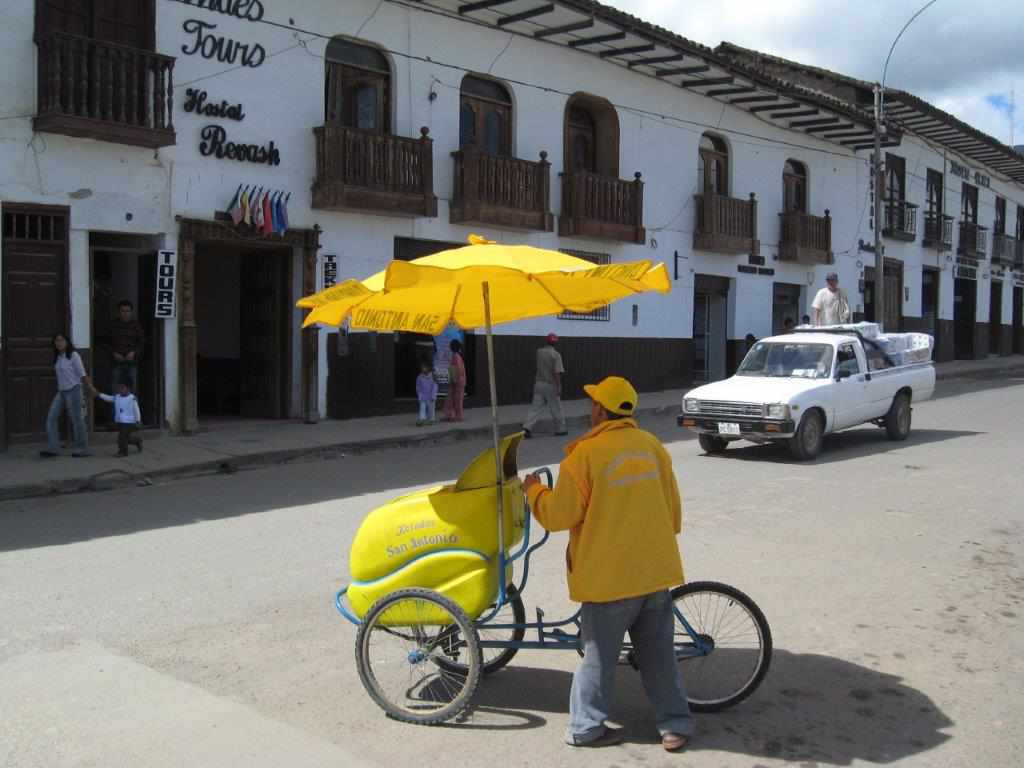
(806,443)
(897,420)
(712,444)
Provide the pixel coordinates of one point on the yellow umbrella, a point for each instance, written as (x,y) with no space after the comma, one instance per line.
(476,286)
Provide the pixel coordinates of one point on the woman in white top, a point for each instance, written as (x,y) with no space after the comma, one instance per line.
(71,377)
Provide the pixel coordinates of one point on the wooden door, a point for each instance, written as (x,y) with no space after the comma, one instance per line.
(34,309)
(893,312)
(262,341)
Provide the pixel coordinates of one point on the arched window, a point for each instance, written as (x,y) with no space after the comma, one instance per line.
(485,116)
(713,165)
(358,92)
(794,187)
(591,136)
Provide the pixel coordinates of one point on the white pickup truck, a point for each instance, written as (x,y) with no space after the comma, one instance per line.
(801,386)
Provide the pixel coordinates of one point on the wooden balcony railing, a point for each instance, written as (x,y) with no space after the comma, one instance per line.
(726,224)
(805,238)
(938,231)
(602,207)
(900,220)
(973,240)
(360,170)
(1003,249)
(99,90)
(502,191)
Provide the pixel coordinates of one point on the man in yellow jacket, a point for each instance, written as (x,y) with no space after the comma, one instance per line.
(617,496)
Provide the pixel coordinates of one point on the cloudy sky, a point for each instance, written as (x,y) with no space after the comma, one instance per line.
(964,57)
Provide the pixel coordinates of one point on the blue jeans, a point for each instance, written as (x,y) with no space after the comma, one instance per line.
(650,621)
(428,410)
(71,400)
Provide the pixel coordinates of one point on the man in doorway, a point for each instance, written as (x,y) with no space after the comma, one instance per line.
(617,496)
(830,305)
(127,340)
(547,388)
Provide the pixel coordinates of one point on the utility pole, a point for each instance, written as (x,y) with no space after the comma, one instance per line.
(879,297)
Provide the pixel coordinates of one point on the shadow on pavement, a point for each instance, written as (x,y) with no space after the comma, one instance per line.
(67,519)
(811,708)
(842,446)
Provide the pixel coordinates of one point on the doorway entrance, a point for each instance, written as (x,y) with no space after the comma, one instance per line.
(785,305)
(995,318)
(118,275)
(965,302)
(930,304)
(710,328)
(243,355)
(35,306)
(892,314)
(1018,320)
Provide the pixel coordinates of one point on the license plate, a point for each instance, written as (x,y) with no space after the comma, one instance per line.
(728,428)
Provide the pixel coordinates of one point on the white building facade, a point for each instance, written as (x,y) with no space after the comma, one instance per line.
(391,130)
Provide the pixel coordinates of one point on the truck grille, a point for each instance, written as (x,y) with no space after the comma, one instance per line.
(723,408)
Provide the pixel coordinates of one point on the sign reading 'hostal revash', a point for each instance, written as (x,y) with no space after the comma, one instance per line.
(215,144)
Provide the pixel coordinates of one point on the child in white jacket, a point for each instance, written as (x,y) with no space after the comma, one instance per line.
(126,416)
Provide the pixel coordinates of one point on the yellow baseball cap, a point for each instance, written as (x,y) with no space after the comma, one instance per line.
(614,394)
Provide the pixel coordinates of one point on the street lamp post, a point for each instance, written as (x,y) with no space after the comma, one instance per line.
(878,170)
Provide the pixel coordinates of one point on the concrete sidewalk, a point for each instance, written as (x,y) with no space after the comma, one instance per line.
(230,447)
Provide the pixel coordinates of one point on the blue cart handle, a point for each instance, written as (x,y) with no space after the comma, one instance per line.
(342,609)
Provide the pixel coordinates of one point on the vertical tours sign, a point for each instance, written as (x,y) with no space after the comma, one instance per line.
(166,283)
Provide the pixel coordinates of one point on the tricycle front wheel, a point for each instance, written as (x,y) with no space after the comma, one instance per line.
(404,650)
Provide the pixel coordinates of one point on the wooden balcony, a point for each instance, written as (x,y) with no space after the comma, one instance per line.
(98,90)
(502,191)
(973,240)
(805,238)
(726,225)
(938,231)
(900,220)
(1003,250)
(602,207)
(371,172)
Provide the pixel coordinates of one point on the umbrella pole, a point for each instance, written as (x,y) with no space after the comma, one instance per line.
(498,472)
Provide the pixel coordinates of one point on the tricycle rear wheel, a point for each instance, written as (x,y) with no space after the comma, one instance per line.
(402,648)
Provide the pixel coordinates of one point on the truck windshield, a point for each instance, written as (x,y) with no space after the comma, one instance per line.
(781,360)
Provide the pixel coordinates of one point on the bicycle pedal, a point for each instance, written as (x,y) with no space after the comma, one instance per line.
(540,616)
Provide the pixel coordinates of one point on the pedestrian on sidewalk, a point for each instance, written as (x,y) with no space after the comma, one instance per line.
(71,378)
(426,393)
(547,388)
(617,496)
(127,417)
(830,305)
(126,341)
(456,383)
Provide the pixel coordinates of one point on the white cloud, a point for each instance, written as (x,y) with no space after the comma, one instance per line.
(954,54)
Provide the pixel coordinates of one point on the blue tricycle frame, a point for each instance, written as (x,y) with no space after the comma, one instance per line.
(699,640)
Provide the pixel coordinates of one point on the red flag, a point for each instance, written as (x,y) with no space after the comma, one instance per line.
(268,217)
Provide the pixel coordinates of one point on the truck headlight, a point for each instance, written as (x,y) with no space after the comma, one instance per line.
(777,411)
(691,405)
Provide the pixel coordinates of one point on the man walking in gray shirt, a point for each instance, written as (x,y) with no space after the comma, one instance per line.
(547,388)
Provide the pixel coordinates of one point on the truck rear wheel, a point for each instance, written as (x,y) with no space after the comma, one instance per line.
(806,443)
(712,444)
(897,420)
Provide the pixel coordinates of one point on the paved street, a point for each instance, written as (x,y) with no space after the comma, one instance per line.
(192,623)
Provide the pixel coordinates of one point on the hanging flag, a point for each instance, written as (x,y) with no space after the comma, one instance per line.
(279,215)
(257,213)
(268,216)
(233,210)
(246,212)
(284,210)
(275,222)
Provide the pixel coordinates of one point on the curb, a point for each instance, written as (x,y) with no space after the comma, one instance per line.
(1010,366)
(119,478)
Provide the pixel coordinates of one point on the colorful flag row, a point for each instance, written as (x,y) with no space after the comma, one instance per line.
(264,210)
